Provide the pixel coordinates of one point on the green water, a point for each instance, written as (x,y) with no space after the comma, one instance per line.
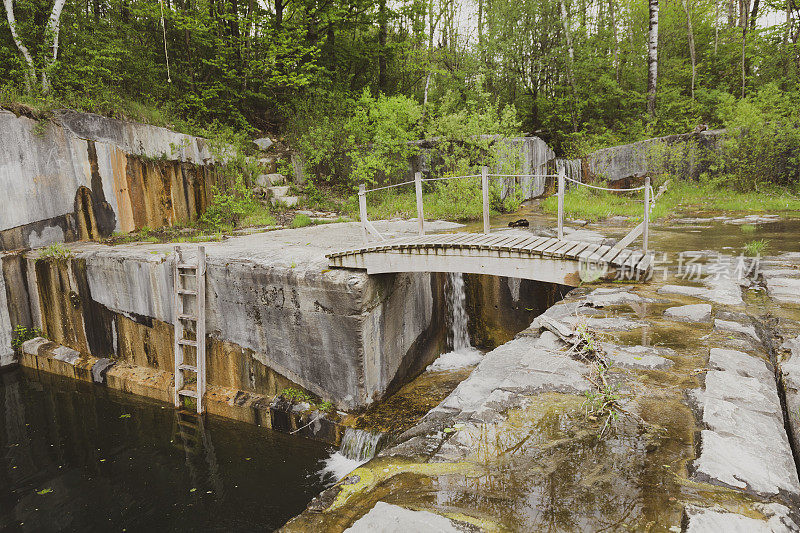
(78,457)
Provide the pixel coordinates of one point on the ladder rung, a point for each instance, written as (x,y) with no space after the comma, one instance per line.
(187,392)
(187,342)
(187,266)
(187,291)
(188,367)
(187,317)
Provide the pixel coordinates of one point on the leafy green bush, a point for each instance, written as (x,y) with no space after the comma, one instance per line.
(301,221)
(228,206)
(22,334)
(55,251)
(763,141)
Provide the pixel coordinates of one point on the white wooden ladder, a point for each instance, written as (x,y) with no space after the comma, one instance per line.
(190,319)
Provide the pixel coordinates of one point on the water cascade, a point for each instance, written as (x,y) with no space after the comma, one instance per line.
(358,446)
(463,354)
(456,305)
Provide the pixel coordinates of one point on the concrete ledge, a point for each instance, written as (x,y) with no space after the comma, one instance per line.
(279,413)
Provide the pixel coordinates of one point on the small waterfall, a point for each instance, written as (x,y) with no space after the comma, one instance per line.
(360,445)
(456,305)
(463,354)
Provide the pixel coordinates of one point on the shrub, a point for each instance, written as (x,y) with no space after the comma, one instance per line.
(301,221)
(55,251)
(763,141)
(22,334)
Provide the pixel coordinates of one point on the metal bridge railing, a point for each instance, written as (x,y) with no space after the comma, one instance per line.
(369,229)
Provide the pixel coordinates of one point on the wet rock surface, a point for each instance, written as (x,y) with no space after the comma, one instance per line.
(701,418)
(386,517)
(689,313)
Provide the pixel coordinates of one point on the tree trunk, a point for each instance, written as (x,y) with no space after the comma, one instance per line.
(744,48)
(382,30)
(30,74)
(690,35)
(570,63)
(278,14)
(754,15)
(731,13)
(613,21)
(652,59)
(53,29)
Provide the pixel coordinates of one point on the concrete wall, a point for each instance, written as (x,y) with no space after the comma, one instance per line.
(6,352)
(344,336)
(83,176)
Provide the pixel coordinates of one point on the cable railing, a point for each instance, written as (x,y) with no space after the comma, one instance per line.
(642,229)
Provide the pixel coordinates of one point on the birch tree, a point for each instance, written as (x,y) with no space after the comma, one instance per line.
(652,58)
(51,35)
(690,35)
(30,72)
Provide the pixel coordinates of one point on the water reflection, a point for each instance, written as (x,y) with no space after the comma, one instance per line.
(78,457)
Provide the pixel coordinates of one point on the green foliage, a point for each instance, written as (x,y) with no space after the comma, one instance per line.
(55,251)
(581,202)
(297,395)
(380,131)
(301,221)
(228,207)
(21,334)
(326,407)
(747,228)
(756,247)
(763,141)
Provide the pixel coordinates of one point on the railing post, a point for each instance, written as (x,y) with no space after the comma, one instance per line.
(485,191)
(420,211)
(362,210)
(561,204)
(646,228)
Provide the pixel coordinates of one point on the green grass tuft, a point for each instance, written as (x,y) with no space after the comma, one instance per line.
(301,221)
(756,248)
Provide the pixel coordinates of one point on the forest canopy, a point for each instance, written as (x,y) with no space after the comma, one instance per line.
(572,71)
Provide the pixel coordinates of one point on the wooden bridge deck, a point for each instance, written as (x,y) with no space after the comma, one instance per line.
(528,257)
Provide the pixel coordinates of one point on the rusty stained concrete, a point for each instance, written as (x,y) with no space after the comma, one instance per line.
(81,176)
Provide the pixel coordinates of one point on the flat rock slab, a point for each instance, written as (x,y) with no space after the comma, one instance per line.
(745,445)
(614,297)
(735,327)
(613,323)
(790,375)
(388,518)
(638,357)
(689,313)
(700,520)
(725,293)
(523,366)
(784,290)
(780,273)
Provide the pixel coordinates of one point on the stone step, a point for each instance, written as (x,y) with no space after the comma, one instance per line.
(288,201)
(269,180)
(269,164)
(279,191)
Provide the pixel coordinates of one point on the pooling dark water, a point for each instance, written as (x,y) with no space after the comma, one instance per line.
(78,457)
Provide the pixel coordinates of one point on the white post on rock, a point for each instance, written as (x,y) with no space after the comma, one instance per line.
(485,191)
(420,210)
(561,204)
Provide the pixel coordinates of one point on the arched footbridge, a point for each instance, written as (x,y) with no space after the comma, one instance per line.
(512,254)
